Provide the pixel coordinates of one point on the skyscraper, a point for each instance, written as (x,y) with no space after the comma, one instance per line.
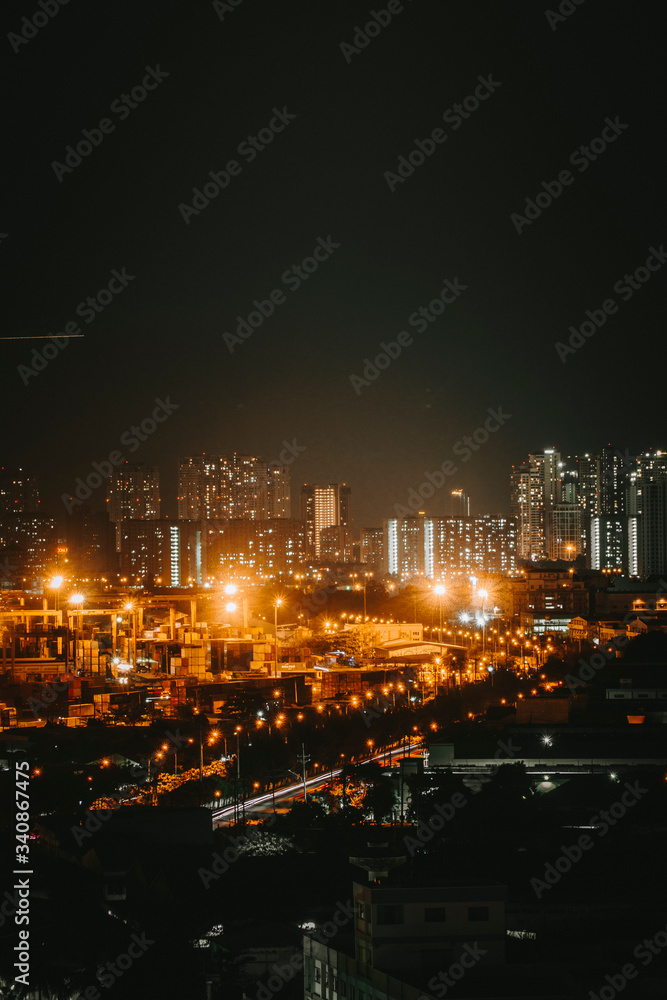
(564,531)
(408,546)
(249,479)
(18,492)
(324,507)
(134,494)
(437,547)
(211,487)
(372,547)
(458,504)
(204,490)
(535,490)
(527,506)
(279,494)
(645,516)
(653,529)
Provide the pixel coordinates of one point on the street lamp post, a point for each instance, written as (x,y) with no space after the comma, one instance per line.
(439,590)
(366,575)
(238,775)
(55,584)
(130,608)
(483,594)
(275,618)
(77,600)
(231,606)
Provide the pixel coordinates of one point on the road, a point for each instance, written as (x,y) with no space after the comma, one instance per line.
(260,806)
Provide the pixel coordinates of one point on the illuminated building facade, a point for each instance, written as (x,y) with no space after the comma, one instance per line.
(372,548)
(324,507)
(133,494)
(438,547)
(211,487)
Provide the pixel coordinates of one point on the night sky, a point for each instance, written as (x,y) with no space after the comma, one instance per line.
(323,176)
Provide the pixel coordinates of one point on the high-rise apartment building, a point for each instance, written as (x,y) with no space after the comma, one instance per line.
(232,486)
(527,506)
(608,543)
(28,545)
(279,496)
(133,494)
(249,481)
(254,549)
(458,504)
(613,474)
(324,507)
(372,548)
(588,484)
(336,544)
(203,488)
(436,547)
(643,510)
(171,552)
(652,529)
(19,493)
(407,541)
(544,497)
(564,533)
(91,543)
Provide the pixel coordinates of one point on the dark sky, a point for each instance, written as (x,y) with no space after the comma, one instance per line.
(323,176)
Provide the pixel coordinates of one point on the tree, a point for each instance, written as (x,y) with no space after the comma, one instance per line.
(263,843)
(360,642)
(305,814)
(381,798)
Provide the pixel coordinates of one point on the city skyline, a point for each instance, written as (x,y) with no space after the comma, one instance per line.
(235,515)
(448,496)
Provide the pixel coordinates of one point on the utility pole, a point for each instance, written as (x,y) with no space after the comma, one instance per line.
(201,750)
(238,779)
(304,760)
